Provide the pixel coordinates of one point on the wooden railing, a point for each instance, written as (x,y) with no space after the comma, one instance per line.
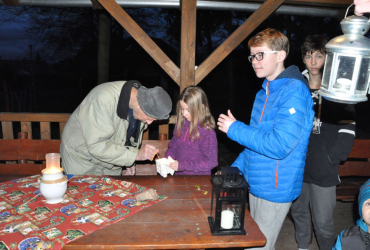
(43,133)
(45,130)
(43,120)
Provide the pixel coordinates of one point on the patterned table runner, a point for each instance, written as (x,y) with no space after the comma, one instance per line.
(90,203)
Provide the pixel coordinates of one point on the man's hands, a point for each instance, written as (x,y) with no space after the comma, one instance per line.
(146,152)
(225,121)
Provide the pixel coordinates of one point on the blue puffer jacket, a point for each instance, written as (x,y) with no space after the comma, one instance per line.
(277,138)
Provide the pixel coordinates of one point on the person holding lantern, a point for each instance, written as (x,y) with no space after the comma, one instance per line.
(103,135)
(361,7)
(331,141)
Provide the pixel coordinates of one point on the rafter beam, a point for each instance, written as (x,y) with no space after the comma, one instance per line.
(188,28)
(236,38)
(142,38)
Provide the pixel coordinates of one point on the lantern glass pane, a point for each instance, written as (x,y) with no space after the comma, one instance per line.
(328,67)
(346,65)
(363,77)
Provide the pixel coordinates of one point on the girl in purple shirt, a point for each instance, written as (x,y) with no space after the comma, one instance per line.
(194,143)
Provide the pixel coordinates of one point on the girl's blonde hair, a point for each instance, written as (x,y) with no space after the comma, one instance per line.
(197,103)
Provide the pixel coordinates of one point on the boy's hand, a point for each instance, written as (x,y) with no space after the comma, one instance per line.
(174,165)
(361,6)
(146,152)
(225,121)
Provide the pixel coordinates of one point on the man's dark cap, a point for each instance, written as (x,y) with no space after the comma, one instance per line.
(154,102)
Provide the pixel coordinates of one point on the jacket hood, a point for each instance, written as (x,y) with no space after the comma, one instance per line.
(361,223)
(293,72)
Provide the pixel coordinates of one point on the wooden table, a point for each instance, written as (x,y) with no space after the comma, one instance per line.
(180,222)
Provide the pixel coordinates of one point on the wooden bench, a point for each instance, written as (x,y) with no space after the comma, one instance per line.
(355,171)
(27,156)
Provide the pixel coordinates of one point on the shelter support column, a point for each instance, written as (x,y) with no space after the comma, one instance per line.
(188,33)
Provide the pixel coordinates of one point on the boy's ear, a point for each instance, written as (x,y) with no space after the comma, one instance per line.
(281,55)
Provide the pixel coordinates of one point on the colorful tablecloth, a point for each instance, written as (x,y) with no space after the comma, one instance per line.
(90,203)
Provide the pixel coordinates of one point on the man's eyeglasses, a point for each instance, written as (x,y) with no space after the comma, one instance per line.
(259,55)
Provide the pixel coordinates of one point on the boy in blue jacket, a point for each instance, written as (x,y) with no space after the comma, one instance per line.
(358,237)
(276,139)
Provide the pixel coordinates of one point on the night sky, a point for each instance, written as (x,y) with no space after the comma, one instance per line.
(14,41)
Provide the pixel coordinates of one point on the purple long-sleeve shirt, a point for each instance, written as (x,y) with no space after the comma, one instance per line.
(197,157)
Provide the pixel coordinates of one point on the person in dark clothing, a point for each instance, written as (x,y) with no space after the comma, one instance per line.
(331,141)
(358,237)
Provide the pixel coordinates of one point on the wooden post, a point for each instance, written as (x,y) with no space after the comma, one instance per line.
(188,28)
(162,137)
(22,136)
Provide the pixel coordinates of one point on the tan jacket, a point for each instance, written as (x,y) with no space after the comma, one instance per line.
(93,140)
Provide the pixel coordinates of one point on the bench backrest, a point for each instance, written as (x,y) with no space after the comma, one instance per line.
(42,121)
(27,156)
(23,156)
(358,162)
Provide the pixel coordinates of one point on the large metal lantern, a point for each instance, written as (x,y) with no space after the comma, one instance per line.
(347,66)
(229,197)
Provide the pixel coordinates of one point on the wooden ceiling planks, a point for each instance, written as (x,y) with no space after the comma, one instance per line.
(308,3)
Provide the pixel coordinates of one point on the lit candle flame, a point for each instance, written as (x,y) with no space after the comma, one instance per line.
(52,170)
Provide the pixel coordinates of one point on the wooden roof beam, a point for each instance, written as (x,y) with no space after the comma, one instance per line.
(188,28)
(142,38)
(236,38)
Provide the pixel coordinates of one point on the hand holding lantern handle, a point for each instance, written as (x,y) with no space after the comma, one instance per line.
(361,7)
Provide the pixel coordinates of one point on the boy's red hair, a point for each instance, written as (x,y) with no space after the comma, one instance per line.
(271,38)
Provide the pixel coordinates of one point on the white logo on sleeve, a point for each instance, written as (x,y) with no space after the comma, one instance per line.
(292,111)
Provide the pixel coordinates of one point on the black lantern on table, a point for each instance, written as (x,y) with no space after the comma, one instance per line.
(229,197)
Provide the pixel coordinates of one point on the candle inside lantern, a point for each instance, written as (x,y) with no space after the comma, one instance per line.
(52,164)
(227,219)
(343,83)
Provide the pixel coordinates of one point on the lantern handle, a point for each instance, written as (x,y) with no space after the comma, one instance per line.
(347,10)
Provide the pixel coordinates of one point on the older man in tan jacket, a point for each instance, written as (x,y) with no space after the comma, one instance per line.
(104,133)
